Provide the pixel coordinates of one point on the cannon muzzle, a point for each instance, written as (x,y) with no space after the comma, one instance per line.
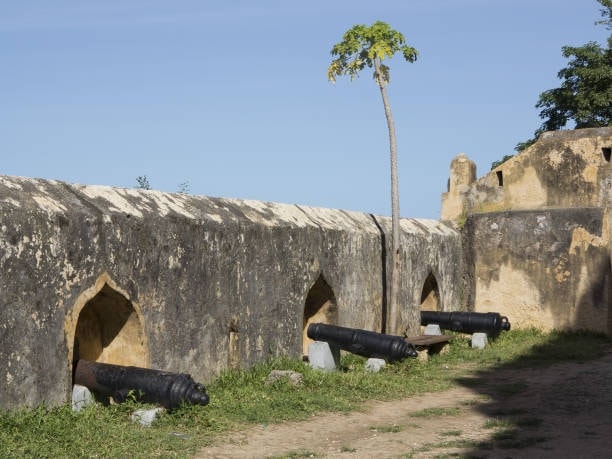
(151,386)
(363,342)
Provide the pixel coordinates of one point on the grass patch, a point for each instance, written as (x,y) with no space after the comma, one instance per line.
(497,423)
(522,422)
(436,412)
(559,346)
(457,443)
(509,433)
(242,398)
(296,454)
(393,428)
(451,433)
(475,401)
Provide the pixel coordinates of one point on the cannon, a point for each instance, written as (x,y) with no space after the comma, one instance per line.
(146,385)
(363,342)
(491,323)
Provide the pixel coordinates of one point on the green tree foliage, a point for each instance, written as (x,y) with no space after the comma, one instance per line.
(364,46)
(499,162)
(369,46)
(585,95)
(606,13)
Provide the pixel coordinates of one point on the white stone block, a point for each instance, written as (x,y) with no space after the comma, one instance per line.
(81,397)
(375,365)
(479,340)
(146,417)
(432,329)
(323,356)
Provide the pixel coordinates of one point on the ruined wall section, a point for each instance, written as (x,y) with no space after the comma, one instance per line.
(457,198)
(548,269)
(206,282)
(537,232)
(563,169)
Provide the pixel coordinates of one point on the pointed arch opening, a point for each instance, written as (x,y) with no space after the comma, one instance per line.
(320,307)
(234,345)
(430,295)
(105,326)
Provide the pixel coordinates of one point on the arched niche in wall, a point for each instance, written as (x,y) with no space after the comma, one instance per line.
(234,345)
(105,326)
(320,307)
(430,295)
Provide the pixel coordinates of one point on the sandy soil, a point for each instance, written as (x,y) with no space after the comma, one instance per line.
(564,411)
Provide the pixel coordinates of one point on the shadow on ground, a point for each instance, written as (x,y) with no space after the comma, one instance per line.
(554,401)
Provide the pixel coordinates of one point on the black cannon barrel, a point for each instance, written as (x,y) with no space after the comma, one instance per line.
(152,386)
(491,323)
(363,342)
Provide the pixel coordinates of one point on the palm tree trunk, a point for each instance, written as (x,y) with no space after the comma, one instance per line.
(394,287)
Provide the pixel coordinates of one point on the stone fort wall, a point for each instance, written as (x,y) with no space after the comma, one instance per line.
(191,284)
(537,231)
(196,284)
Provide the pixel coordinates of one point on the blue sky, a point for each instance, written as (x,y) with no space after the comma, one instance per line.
(231,97)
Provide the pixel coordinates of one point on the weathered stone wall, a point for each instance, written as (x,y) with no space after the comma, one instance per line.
(548,269)
(197,284)
(563,169)
(537,232)
(455,202)
(189,284)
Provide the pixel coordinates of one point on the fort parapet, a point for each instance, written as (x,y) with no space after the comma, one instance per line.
(537,231)
(191,284)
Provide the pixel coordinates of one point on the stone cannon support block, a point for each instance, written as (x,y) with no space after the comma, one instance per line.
(375,365)
(81,397)
(479,340)
(324,356)
(432,329)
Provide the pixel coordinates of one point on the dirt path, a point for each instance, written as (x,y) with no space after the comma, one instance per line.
(564,411)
